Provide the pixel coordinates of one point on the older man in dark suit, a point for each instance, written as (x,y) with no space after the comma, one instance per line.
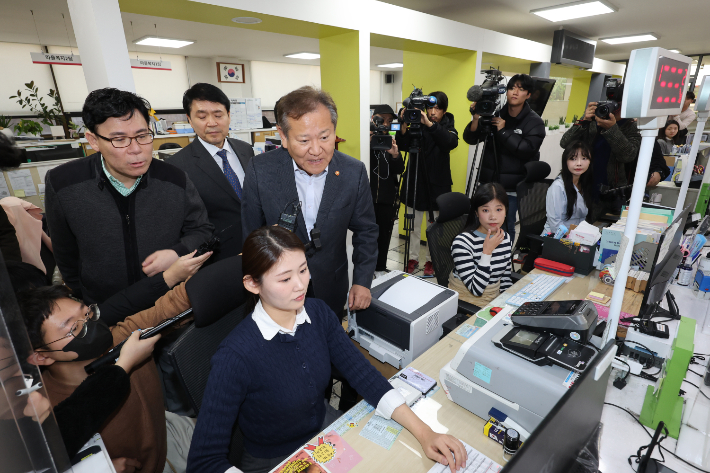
(334,195)
(215,163)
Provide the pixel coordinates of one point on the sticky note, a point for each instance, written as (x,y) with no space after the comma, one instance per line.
(482,372)
(19,193)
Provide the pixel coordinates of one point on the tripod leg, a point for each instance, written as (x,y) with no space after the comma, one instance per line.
(473,166)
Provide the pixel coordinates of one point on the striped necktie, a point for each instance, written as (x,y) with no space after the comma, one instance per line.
(229,172)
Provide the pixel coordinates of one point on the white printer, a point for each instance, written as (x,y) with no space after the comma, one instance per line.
(404,318)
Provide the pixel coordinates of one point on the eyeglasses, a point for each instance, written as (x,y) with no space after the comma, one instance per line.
(125,141)
(78,328)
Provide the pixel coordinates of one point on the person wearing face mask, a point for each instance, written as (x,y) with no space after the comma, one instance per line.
(439,138)
(517,137)
(66,335)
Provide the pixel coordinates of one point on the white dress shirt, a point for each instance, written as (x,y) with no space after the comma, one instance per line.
(268,328)
(231,158)
(310,193)
(556,205)
(684,119)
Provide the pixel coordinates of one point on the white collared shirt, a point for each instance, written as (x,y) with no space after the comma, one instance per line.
(310,193)
(231,158)
(268,328)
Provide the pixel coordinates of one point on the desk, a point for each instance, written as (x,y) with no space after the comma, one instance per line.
(461,423)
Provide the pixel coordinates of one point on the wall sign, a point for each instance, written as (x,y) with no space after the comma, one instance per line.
(229,72)
(154,64)
(51,58)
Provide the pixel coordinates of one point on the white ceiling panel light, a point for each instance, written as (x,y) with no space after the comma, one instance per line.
(303,56)
(163,42)
(391,65)
(247,20)
(570,11)
(637,38)
(677,51)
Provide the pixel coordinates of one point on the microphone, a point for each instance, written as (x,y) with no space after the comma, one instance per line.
(475,93)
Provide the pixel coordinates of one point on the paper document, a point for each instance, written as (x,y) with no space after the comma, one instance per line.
(22,181)
(410,294)
(4,189)
(381,431)
(350,419)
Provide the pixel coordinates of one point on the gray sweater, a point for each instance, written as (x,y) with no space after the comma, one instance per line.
(100,238)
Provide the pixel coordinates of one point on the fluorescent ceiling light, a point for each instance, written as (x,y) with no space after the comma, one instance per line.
(303,55)
(391,65)
(674,51)
(163,42)
(246,20)
(630,39)
(570,11)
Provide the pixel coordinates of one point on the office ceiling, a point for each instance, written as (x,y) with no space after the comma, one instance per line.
(689,32)
(17,26)
(678,24)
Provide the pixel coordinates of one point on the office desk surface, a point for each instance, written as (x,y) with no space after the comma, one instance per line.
(459,422)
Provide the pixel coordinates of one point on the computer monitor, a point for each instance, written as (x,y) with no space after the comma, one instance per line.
(667,259)
(556,443)
(542,89)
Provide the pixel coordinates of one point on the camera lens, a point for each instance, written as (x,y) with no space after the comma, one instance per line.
(486,107)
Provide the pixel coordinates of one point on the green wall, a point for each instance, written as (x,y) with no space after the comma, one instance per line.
(339,75)
(578,97)
(452,74)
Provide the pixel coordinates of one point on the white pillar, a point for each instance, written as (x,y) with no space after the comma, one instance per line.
(102,44)
(364,52)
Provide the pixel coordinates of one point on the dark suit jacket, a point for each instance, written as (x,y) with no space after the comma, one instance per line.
(270,185)
(223,206)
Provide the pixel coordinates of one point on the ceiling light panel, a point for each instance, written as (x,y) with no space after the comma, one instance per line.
(391,65)
(570,11)
(163,42)
(630,39)
(303,55)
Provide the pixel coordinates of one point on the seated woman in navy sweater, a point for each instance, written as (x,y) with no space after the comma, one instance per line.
(269,374)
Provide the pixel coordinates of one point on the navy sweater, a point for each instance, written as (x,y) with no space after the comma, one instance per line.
(274,388)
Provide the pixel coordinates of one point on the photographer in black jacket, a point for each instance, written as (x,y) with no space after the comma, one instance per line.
(439,138)
(385,167)
(518,134)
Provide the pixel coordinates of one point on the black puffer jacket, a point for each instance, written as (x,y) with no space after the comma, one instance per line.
(435,167)
(516,144)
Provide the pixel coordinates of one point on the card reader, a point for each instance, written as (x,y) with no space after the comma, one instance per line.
(573,319)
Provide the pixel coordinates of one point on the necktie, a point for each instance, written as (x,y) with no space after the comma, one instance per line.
(229,172)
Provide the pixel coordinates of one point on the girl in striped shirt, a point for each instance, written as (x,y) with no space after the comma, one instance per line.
(481,253)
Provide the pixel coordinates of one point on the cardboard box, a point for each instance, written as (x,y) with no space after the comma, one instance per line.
(260,136)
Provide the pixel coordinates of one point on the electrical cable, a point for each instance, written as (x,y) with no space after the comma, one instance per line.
(653,362)
(661,447)
(695,373)
(628,372)
(699,390)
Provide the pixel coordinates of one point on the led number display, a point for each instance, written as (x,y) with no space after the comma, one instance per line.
(669,84)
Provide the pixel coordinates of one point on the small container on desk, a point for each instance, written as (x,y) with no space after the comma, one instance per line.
(567,252)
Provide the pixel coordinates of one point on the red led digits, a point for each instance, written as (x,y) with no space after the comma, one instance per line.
(665,68)
(659,100)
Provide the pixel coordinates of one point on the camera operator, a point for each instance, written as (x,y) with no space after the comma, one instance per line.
(615,143)
(438,138)
(518,133)
(385,167)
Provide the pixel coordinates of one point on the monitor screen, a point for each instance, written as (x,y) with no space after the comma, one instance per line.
(542,89)
(554,445)
(670,83)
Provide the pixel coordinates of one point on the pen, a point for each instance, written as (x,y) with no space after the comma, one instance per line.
(31,389)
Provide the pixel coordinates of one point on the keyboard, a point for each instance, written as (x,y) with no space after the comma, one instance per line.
(537,291)
(476,463)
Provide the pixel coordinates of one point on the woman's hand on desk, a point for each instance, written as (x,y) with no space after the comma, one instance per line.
(441,448)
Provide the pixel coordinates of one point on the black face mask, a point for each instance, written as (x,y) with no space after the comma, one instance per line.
(97,340)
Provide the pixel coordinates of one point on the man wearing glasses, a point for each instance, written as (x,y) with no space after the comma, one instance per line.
(118,216)
(439,138)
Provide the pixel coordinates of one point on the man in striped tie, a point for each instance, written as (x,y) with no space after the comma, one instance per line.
(215,163)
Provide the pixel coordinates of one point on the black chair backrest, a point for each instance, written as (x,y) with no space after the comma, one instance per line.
(169,146)
(532,195)
(453,213)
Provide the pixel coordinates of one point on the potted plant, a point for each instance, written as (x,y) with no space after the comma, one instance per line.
(4,121)
(561,124)
(49,113)
(28,127)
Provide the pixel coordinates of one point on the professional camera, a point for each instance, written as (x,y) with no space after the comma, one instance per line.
(381,139)
(612,104)
(414,103)
(487,95)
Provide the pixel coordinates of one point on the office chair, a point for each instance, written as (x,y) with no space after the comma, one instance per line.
(169,146)
(532,211)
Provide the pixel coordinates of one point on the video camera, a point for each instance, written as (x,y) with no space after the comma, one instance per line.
(413,104)
(613,102)
(381,139)
(487,95)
